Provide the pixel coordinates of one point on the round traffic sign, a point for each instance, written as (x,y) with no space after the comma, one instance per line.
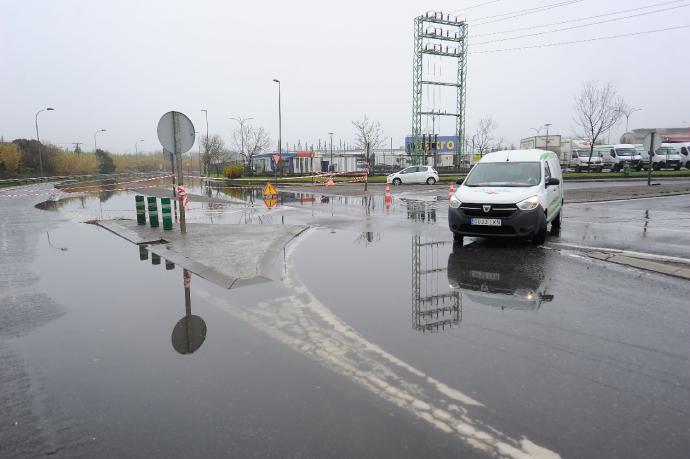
(176,132)
(189,334)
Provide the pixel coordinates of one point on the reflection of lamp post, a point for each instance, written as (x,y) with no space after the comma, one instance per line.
(95,144)
(38,139)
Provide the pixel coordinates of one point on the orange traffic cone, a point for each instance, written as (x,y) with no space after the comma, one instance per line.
(451,192)
(330,182)
(388,197)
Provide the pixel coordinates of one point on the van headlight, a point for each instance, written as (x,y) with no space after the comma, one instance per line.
(529,203)
(455,202)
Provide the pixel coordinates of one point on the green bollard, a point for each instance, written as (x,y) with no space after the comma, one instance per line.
(167,216)
(153,211)
(141,209)
(626,170)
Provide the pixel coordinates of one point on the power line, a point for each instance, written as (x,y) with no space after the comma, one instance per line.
(519,29)
(474,6)
(609,37)
(518,13)
(578,26)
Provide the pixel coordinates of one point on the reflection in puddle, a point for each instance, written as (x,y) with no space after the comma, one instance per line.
(303,323)
(189,332)
(502,277)
(432,309)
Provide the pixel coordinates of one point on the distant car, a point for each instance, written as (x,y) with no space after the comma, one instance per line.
(414,174)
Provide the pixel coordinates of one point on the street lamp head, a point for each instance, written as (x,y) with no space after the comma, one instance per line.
(50,108)
(276,80)
(102,130)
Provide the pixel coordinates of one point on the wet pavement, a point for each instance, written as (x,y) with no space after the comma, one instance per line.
(380,337)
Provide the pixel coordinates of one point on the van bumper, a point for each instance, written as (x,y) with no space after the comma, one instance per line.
(521,224)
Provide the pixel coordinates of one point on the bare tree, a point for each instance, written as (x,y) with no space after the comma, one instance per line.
(250,141)
(368,133)
(216,152)
(597,109)
(484,137)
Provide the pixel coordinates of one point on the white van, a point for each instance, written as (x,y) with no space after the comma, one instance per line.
(667,156)
(580,160)
(615,157)
(513,193)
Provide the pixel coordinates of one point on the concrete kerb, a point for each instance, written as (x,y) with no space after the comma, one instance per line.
(669,269)
(230,256)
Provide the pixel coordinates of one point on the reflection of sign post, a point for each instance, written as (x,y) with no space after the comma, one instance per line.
(176,133)
(190,331)
(651,143)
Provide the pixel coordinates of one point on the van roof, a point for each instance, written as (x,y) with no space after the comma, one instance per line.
(517,155)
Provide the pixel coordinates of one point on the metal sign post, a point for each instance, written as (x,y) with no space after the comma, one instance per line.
(176,133)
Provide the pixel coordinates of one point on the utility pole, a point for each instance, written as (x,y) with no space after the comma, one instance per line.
(331,166)
(95,143)
(547,125)
(366,178)
(206,146)
(38,139)
(280,131)
(77,150)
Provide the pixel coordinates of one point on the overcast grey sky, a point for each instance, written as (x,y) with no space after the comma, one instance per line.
(119,65)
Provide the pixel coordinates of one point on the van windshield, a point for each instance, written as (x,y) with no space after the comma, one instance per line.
(506,174)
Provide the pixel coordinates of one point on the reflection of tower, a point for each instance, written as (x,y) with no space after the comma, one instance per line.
(431,311)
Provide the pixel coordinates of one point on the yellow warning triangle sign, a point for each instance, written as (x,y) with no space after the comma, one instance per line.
(270,190)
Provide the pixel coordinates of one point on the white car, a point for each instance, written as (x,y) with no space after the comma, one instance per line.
(414,174)
(513,193)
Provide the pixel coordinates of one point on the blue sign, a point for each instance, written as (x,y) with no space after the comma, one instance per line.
(446,143)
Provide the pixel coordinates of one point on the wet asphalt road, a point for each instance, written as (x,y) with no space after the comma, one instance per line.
(382,338)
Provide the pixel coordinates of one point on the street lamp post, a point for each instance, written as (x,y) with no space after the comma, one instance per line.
(280,130)
(95,144)
(331,167)
(136,146)
(547,125)
(627,116)
(206,146)
(241,120)
(38,139)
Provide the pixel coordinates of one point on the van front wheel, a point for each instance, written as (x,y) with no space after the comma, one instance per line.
(540,237)
(556,222)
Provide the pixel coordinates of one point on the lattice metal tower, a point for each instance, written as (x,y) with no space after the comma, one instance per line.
(439,35)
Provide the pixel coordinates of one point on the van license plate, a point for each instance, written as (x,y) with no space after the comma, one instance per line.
(486,221)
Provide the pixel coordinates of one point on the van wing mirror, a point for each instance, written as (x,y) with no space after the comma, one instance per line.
(553,181)
(459,181)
